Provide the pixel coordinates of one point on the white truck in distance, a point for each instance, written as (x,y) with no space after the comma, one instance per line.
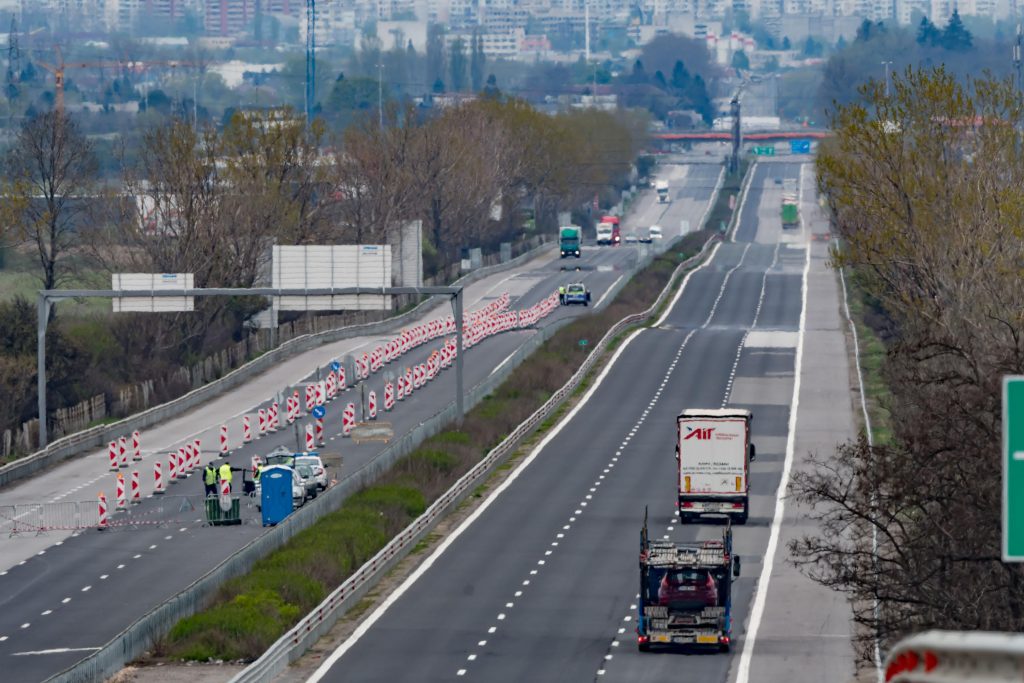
(661,187)
(604,233)
(713,451)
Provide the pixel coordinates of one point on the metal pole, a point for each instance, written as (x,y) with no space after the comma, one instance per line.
(460,409)
(380,94)
(886,65)
(43,314)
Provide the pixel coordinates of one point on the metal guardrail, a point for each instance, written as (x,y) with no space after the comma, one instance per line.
(73,444)
(39,518)
(304,634)
(960,656)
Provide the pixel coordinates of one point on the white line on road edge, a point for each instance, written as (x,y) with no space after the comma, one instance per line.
(364,627)
(871,443)
(507,359)
(757,611)
(608,291)
(55,651)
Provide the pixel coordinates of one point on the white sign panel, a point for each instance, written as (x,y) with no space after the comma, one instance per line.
(152,282)
(337,266)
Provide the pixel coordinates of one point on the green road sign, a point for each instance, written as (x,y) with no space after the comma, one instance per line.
(583,342)
(764,150)
(1013,468)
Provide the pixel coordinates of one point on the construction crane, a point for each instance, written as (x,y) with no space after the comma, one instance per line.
(58,70)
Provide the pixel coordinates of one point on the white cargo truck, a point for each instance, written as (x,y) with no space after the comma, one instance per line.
(713,451)
(661,187)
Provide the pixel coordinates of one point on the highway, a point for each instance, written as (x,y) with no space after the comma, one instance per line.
(52,584)
(540,582)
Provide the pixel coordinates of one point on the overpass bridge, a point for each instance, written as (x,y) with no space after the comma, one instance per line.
(753,136)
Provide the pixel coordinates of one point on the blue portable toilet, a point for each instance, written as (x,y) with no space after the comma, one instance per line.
(276,493)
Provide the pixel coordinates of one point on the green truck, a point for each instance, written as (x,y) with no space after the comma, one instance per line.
(569,238)
(790,211)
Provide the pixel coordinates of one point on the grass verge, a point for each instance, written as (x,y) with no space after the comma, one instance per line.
(872,358)
(251,612)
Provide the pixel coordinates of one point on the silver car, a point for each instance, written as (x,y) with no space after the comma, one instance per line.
(319,470)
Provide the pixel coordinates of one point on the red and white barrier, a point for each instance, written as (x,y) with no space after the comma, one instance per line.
(224,449)
(332,386)
(136,490)
(310,398)
(371,405)
(366,365)
(401,387)
(389,396)
(408,382)
(321,392)
(320,431)
(172,467)
(261,422)
(348,419)
(274,419)
(255,462)
(122,451)
(197,454)
(102,524)
(293,409)
(310,443)
(225,491)
(341,379)
(158,479)
(112,453)
(181,464)
(136,446)
(122,497)
(246,429)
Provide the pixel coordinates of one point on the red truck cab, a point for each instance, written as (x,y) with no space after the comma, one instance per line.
(614,220)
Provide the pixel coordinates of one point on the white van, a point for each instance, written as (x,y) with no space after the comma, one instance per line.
(654,233)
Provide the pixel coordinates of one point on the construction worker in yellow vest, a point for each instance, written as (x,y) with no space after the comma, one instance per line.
(561,294)
(225,473)
(210,480)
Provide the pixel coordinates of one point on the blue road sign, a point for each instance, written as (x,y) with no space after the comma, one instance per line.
(800,146)
(319,412)
(335,365)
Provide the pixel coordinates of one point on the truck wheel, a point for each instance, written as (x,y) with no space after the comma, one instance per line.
(685,517)
(724,647)
(742,518)
(643,647)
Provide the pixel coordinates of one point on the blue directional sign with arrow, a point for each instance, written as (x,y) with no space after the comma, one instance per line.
(319,412)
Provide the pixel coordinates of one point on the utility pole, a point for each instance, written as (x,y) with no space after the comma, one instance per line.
(887,64)
(380,93)
(310,59)
(586,29)
(1017,62)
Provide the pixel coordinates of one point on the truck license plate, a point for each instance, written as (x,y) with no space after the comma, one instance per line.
(661,638)
(709,640)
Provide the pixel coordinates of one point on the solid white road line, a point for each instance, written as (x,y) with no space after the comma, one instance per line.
(608,291)
(55,651)
(757,611)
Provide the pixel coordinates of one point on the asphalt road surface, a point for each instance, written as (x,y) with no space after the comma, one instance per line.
(63,594)
(540,582)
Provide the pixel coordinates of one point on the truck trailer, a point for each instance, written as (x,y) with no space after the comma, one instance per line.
(686,592)
(713,452)
(569,239)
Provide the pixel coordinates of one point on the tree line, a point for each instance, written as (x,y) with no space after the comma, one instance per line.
(211,201)
(924,186)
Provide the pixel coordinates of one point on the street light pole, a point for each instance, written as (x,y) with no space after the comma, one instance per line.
(887,64)
(380,94)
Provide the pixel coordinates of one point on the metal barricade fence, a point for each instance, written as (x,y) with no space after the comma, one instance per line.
(39,518)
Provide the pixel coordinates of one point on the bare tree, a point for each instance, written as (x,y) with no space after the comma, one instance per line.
(52,173)
(924,187)
(373,179)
